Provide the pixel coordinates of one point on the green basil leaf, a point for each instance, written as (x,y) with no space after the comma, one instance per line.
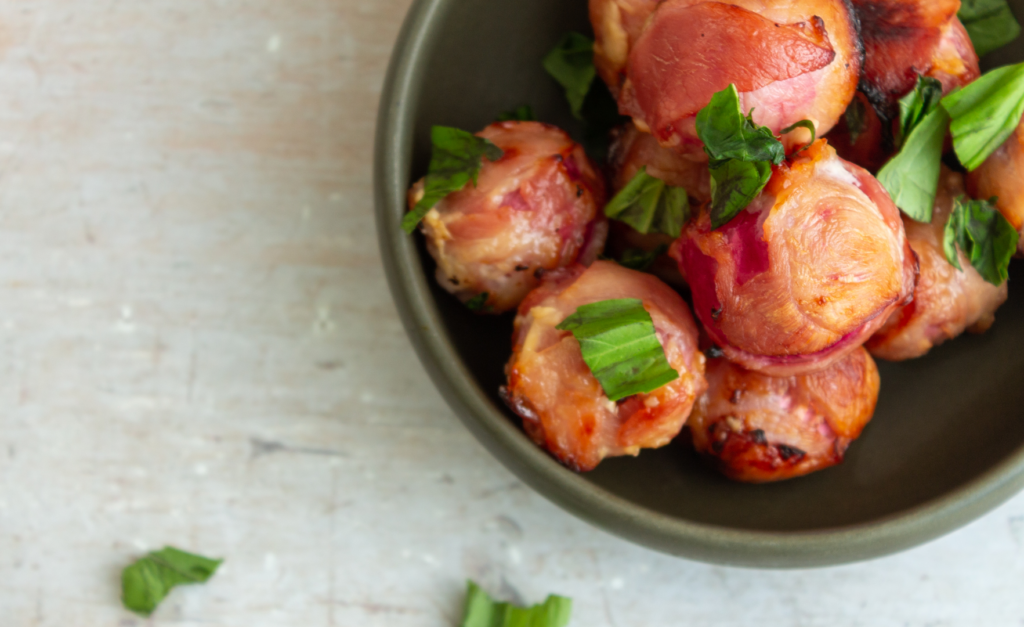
(912,176)
(990,23)
(522,113)
(571,63)
(455,161)
(477,302)
(802,124)
(734,185)
(916,105)
(145,583)
(639,259)
(619,345)
(856,119)
(985,113)
(482,611)
(985,237)
(728,134)
(648,205)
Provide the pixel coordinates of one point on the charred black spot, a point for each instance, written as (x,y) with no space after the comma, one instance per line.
(579,191)
(789,452)
(538,273)
(522,268)
(757,436)
(454,281)
(716,313)
(714,353)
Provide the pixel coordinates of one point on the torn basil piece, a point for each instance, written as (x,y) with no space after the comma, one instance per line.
(648,205)
(990,23)
(985,113)
(984,236)
(483,611)
(912,176)
(147,582)
(915,106)
(620,346)
(571,63)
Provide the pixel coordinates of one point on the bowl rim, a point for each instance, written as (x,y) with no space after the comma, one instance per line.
(410,288)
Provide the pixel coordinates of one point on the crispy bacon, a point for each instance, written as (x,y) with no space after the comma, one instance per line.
(947,301)
(792,62)
(536,209)
(804,275)
(551,388)
(759,428)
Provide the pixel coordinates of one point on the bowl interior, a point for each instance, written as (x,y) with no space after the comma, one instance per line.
(942,421)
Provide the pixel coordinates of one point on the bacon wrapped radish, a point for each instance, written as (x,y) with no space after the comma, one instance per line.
(564,403)
(536,207)
(790,62)
(806,273)
(759,428)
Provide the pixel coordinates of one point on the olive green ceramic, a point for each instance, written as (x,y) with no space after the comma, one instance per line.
(947,442)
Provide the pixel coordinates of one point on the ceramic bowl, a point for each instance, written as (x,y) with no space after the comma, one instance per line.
(946,444)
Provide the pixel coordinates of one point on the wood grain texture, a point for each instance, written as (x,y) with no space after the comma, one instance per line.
(198,348)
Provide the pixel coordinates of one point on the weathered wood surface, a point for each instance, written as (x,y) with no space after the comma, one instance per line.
(198,348)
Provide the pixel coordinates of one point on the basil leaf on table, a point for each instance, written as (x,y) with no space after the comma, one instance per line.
(985,113)
(639,259)
(522,113)
(145,583)
(912,176)
(985,237)
(571,63)
(483,611)
(990,23)
(915,106)
(455,161)
(619,345)
(648,205)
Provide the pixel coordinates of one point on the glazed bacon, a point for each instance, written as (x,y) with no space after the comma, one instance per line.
(536,209)
(563,407)
(807,273)
(758,428)
(1002,176)
(907,38)
(789,61)
(947,301)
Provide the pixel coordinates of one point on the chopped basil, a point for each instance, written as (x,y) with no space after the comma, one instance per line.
(619,345)
(648,205)
(571,63)
(990,23)
(522,113)
(455,161)
(916,105)
(807,124)
(984,236)
(482,611)
(145,583)
(477,302)
(912,176)
(856,119)
(985,113)
(740,154)
(640,259)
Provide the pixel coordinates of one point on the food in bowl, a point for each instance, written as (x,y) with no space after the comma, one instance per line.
(793,257)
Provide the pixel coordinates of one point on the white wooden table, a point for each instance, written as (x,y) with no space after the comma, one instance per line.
(198,348)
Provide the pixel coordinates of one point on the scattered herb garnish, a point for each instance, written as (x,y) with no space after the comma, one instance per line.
(640,259)
(990,23)
(619,345)
(477,302)
(916,105)
(571,63)
(807,124)
(648,205)
(145,583)
(454,162)
(985,113)
(985,237)
(912,176)
(522,113)
(856,119)
(483,611)
(740,153)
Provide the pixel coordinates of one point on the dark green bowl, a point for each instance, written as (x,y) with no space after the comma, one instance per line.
(947,442)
